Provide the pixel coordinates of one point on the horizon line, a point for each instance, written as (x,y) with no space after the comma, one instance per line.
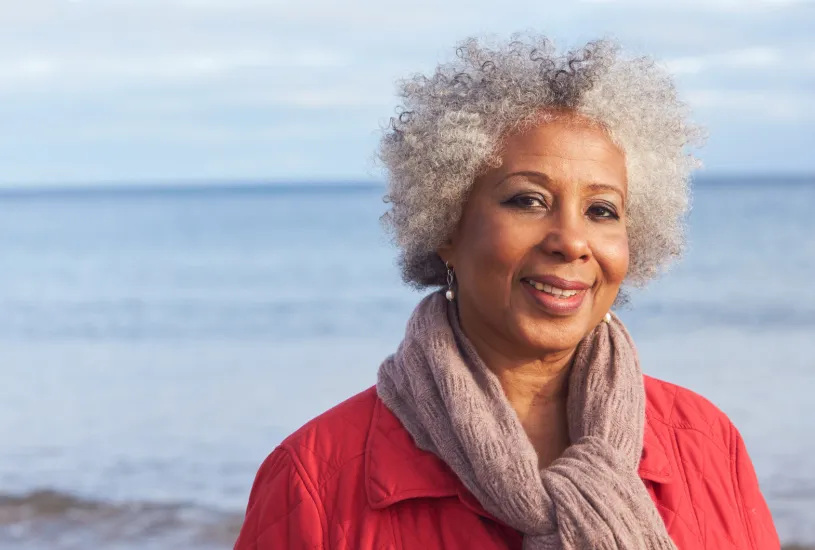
(260,184)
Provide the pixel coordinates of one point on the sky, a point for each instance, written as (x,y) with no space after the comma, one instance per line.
(127,91)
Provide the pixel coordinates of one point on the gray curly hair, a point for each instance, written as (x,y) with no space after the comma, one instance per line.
(451,124)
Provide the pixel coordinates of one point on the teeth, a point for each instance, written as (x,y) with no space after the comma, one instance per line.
(554,291)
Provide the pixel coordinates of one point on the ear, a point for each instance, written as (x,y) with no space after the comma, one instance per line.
(446,252)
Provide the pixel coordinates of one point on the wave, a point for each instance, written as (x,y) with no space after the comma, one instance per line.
(62,521)
(53,520)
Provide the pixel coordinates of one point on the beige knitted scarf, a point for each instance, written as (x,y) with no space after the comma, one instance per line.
(454,407)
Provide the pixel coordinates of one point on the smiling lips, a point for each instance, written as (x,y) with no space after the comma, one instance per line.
(557,296)
(553,290)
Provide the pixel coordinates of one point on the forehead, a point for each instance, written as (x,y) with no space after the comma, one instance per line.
(564,133)
(566,146)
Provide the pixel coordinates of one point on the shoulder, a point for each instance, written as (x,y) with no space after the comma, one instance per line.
(679,408)
(327,443)
(700,443)
(287,504)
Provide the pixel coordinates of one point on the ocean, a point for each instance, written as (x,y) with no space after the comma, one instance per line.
(156,344)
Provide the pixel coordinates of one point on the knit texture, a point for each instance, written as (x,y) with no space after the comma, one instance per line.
(454,407)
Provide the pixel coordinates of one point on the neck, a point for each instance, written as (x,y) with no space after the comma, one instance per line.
(537,389)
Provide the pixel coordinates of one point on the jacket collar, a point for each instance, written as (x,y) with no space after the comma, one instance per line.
(396,469)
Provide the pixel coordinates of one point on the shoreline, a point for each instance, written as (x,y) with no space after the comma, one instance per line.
(89,519)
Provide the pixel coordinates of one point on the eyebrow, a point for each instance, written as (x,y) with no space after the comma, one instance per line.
(604,187)
(593,186)
(528,173)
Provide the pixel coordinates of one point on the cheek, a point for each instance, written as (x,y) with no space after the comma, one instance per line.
(495,244)
(613,259)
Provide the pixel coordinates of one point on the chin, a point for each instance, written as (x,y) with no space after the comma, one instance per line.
(553,334)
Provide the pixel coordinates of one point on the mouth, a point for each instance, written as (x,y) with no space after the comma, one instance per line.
(550,289)
(556,296)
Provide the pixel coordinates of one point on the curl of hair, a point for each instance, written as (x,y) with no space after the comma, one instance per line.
(450,126)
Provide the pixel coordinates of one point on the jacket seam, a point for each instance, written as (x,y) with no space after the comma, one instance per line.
(663,446)
(673,404)
(397,540)
(339,469)
(734,455)
(312,492)
(683,474)
(717,441)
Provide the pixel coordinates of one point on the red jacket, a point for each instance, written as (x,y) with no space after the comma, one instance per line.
(352,479)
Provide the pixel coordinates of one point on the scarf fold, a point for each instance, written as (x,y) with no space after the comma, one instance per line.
(454,407)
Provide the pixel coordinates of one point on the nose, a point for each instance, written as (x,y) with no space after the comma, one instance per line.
(566,237)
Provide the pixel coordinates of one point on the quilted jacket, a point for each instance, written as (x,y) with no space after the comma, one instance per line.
(352,479)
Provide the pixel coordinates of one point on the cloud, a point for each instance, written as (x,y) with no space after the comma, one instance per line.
(173,67)
(780,105)
(169,82)
(27,69)
(739,6)
(747,58)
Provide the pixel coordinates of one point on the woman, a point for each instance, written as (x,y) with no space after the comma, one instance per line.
(529,186)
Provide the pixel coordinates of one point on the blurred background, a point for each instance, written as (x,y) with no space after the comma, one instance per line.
(191,263)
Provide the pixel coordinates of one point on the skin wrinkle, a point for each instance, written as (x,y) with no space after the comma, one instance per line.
(454,407)
(516,163)
(495,246)
(457,119)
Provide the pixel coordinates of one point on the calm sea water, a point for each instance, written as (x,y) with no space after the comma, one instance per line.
(156,345)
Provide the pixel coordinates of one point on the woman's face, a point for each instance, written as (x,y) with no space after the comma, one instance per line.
(541,249)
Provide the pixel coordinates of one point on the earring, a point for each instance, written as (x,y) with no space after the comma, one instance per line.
(607,318)
(450,295)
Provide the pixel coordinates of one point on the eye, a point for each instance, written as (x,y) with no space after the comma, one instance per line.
(603,211)
(527,201)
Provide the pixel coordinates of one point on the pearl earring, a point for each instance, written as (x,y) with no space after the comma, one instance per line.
(450,295)
(607,317)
